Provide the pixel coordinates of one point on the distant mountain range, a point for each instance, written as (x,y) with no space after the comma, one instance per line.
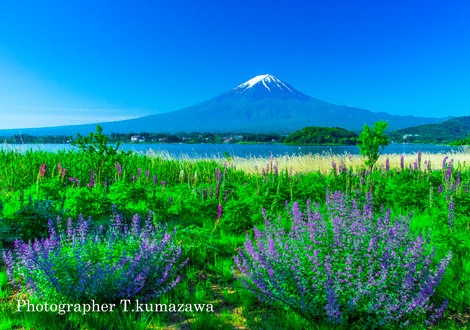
(263,104)
(445,132)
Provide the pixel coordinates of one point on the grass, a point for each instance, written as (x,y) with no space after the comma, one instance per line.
(189,200)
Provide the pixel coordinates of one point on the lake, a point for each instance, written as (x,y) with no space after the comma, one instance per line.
(243,150)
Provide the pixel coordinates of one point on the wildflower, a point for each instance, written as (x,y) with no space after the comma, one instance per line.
(42,171)
(444,162)
(448,173)
(92,178)
(118,169)
(354,267)
(137,271)
(219,211)
(419,159)
(451,213)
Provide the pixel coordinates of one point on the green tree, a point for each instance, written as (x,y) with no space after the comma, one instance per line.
(372,142)
(100,156)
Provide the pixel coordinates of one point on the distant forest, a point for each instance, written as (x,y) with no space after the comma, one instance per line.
(193,137)
(322,135)
(447,132)
(455,131)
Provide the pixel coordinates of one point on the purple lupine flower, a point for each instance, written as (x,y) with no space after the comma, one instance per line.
(337,271)
(140,273)
(147,174)
(135,225)
(419,159)
(415,166)
(387,165)
(402,162)
(444,162)
(118,169)
(449,173)
(219,211)
(92,178)
(451,213)
(333,166)
(154,180)
(342,167)
(163,184)
(139,171)
(440,189)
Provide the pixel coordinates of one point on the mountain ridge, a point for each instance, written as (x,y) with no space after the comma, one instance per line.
(263,104)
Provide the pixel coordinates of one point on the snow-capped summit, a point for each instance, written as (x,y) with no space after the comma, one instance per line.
(268,86)
(264,79)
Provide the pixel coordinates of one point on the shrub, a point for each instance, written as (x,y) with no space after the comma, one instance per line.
(81,264)
(350,267)
(29,222)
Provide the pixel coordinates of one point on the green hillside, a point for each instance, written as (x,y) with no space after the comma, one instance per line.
(445,132)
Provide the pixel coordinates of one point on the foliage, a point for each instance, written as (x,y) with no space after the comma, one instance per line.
(214,205)
(28,222)
(321,135)
(462,142)
(450,130)
(98,154)
(372,142)
(352,267)
(77,263)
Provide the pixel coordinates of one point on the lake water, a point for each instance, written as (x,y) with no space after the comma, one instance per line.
(243,150)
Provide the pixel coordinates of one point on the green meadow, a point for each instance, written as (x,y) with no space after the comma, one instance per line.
(195,216)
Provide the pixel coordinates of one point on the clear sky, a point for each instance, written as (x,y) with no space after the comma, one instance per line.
(68,62)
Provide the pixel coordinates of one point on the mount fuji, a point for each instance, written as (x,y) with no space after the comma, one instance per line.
(263,104)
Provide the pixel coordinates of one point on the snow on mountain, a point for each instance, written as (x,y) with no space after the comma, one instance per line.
(267,85)
(266,80)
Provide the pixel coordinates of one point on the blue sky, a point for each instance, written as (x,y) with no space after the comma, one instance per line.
(68,62)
